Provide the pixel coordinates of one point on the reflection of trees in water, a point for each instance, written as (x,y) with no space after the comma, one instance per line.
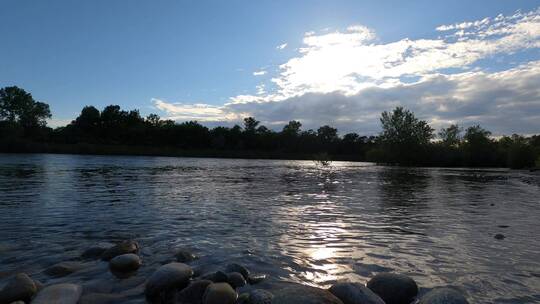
(402,186)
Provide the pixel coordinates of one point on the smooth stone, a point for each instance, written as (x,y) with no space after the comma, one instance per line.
(302,294)
(122,248)
(243,298)
(260,296)
(394,288)
(499,236)
(17,302)
(219,293)
(100,298)
(168,277)
(355,293)
(64,268)
(443,295)
(59,294)
(216,277)
(93,252)
(19,287)
(234,267)
(185,256)
(194,293)
(256,278)
(236,280)
(125,262)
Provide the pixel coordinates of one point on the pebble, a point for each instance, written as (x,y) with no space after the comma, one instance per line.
(234,267)
(64,268)
(122,248)
(194,292)
(168,277)
(125,262)
(394,288)
(355,293)
(185,256)
(260,296)
(219,293)
(443,295)
(19,287)
(59,294)
(236,280)
(302,294)
(499,236)
(216,277)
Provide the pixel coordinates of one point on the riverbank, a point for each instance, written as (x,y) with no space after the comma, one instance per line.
(175,281)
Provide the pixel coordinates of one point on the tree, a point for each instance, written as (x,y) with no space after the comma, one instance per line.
(404,136)
(327,134)
(88,119)
(250,124)
(292,128)
(451,136)
(18,106)
(479,147)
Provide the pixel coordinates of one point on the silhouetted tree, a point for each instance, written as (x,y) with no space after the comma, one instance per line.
(18,106)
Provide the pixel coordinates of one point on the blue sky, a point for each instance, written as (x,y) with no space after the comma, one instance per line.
(200,59)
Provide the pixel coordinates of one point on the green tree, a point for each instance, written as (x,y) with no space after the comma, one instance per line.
(479,147)
(404,137)
(250,124)
(18,106)
(451,136)
(292,128)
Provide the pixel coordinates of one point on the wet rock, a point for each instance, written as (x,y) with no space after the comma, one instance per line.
(238,268)
(219,293)
(355,293)
(243,298)
(59,294)
(194,293)
(94,252)
(296,293)
(64,268)
(185,256)
(125,262)
(17,302)
(256,278)
(394,288)
(443,295)
(499,236)
(260,296)
(100,298)
(216,277)
(168,277)
(19,287)
(235,279)
(122,248)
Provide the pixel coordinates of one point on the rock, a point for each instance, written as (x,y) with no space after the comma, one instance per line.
(260,296)
(194,293)
(243,298)
(256,278)
(59,294)
(100,298)
(238,268)
(122,248)
(19,287)
(17,302)
(355,293)
(185,256)
(93,252)
(297,293)
(235,279)
(125,262)
(64,268)
(216,277)
(168,277)
(499,236)
(219,293)
(394,288)
(443,295)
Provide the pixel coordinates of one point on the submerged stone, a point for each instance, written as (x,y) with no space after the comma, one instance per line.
(394,288)
(64,268)
(234,267)
(443,295)
(194,293)
(302,294)
(59,294)
(185,256)
(235,279)
(125,262)
(355,293)
(122,248)
(219,293)
(260,296)
(168,277)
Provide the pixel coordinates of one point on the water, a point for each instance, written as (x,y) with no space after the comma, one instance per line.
(292,220)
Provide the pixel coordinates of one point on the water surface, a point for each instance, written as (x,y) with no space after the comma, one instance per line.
(293,220)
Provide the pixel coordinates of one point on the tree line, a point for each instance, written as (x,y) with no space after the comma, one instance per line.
(404,139)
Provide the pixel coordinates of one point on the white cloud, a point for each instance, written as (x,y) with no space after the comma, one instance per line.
(281,46)
(346,78)
(259,73)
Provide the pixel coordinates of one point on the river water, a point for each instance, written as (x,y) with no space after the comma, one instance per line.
(293,220)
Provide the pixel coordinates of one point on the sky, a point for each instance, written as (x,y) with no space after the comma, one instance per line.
(320,62)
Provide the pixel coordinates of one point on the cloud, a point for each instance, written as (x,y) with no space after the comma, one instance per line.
(281,46)
(259,73)
(346,78)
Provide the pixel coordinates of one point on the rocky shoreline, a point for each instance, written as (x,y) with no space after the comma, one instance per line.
(177,282)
